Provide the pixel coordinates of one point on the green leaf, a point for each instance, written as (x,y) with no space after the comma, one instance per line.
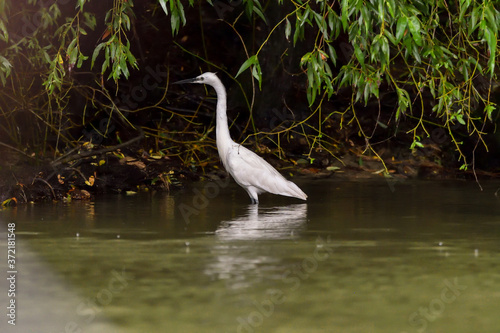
(71,46)
(163,4)
(90,20)
(464,5)
(249,62)
(80,4)
(5,66)
(299,31)
(288,29)
(321,24)
(416,54)
(416,143)
(460,119)
(4,34)
(359,55)
(174,23)
(131,59)
(81,59)
(344,11)
(385,49)
(259,13)
(381,11)
(180,10)
(73,55)
(96,53)
(390,37)
(257,73)
(105,65)
(249,7)
(305,58)
(305,18)
(490,18)
(112,49)
(332,53)
(401,27)
(403,102)
(488,109)
(346,80)
(473,20)
(414,26)
(491,40)
(125,21)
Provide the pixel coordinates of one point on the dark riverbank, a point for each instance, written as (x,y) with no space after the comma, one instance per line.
(91,172)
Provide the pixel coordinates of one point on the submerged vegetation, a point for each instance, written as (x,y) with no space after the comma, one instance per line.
(389,86)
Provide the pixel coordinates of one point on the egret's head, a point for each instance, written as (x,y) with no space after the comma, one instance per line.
(205,78)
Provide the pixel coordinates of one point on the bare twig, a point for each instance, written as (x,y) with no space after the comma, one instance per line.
(21,186)
(15,149)
(47,183)
(96,152)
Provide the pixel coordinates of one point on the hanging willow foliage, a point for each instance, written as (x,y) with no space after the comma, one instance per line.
(426,52)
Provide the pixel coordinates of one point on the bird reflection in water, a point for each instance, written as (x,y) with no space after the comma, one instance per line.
(265,223)
(240,258)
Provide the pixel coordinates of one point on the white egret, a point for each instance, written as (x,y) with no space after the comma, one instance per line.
(248,169)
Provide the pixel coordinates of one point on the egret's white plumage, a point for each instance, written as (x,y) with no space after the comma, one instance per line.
(248,169)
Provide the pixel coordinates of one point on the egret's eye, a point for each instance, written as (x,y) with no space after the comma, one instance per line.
(202,78)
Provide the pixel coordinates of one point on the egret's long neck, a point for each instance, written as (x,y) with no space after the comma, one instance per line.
(222,129)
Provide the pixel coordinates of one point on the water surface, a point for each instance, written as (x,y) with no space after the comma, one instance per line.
(357,257)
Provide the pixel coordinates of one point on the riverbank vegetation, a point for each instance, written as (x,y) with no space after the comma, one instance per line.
(385,88)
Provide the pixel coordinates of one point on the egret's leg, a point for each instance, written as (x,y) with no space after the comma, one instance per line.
(255,201)
(253,195)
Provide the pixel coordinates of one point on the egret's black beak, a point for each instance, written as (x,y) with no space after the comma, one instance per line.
(185,81)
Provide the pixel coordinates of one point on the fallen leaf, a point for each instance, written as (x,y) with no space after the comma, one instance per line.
(91,181)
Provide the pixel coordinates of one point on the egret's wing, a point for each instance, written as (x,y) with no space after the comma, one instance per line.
(249,169)
(244,161)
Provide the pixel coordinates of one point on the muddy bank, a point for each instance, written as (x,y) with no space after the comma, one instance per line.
(87,173)
(119,171)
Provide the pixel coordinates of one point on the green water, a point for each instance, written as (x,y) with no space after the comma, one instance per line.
(358,257)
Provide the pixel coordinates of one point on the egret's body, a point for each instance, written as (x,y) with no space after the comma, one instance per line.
(248,169)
